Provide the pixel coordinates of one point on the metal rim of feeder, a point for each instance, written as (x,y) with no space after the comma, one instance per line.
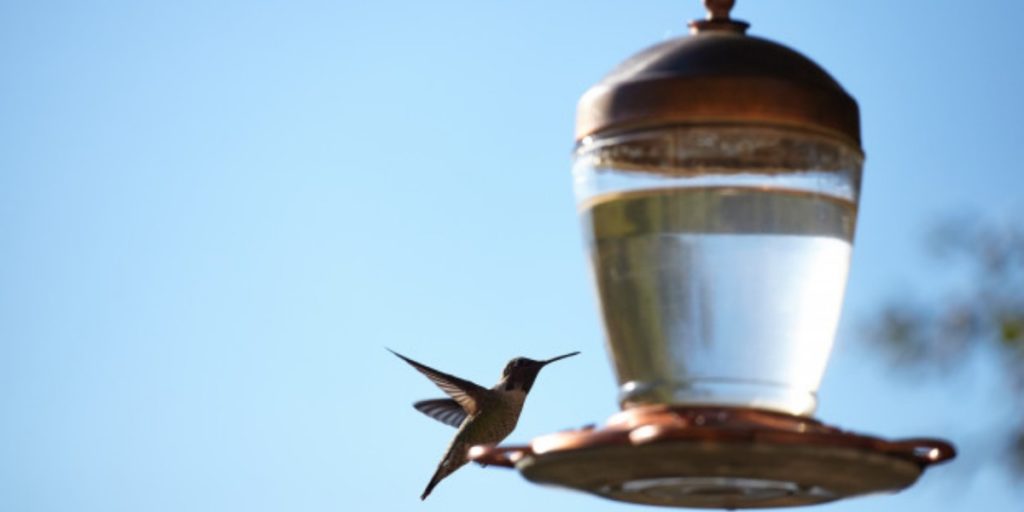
(719,457)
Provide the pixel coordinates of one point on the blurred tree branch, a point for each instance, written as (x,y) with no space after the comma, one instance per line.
(986,313)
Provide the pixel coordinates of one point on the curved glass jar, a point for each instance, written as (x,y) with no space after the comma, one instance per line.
(720,255)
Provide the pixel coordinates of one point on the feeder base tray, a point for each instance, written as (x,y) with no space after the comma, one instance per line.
(719,458)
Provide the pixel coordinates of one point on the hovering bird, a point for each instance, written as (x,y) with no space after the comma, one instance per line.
(483,416)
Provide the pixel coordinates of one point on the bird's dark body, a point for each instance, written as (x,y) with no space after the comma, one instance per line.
(483,416)
(492,425)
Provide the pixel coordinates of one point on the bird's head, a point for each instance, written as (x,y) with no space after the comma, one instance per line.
(520,372)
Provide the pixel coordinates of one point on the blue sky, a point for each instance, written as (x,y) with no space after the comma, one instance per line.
(215,215)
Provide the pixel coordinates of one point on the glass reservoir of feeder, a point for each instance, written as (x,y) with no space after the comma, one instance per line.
(720,255)
(717,179)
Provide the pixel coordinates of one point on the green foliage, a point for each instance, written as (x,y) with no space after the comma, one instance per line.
(984,313)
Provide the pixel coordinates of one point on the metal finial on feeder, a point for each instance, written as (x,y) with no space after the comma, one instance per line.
(718,9)
(718,18)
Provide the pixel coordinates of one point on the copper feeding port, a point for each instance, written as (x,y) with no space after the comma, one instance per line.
(712,457)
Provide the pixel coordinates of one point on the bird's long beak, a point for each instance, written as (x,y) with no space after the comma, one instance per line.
(553,359)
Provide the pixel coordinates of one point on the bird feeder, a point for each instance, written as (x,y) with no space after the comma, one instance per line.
(717,176)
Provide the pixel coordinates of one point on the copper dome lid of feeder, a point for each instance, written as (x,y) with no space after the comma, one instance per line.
(718,75)
(691,109)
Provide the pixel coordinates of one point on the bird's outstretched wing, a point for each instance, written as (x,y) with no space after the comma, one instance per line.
(445,410)
(467,394)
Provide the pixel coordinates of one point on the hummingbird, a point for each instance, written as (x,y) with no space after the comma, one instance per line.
(483,416)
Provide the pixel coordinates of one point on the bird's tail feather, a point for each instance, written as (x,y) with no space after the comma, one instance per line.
(442,471)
